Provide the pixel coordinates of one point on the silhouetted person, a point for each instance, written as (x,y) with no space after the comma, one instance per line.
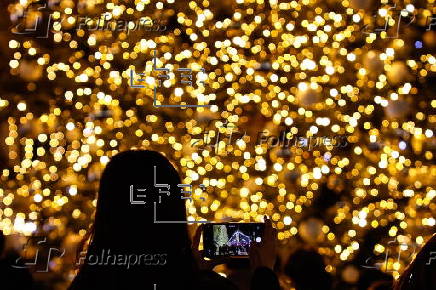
(210,280)
(13,278)
(306,269)
(129,229)
(240,273)
(421,273)
(263,257)
(124,229)
(370,276)
(381,285)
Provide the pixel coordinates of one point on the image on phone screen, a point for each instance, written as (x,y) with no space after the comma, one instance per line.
(230,239)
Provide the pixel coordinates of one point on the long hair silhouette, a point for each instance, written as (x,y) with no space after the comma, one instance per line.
(128,230)
(306,268)
(421,272)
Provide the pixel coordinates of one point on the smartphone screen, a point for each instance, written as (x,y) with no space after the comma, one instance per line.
(230,239)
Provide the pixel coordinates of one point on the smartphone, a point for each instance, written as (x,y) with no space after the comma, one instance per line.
(230,239)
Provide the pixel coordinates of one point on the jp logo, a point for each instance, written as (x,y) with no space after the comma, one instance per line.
(431,20)
(388,19)
(379,265)
(35,23)
(36,261)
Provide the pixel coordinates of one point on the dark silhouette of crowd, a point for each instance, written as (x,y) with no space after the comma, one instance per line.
(128,229)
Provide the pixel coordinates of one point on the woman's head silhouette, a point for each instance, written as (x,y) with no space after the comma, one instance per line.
(124,228)
(421,272)
(116,217)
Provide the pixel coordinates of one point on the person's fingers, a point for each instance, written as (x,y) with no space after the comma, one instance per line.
(251,249)
(268,230)
(254,255)
(265,218)
(195,243)
(274,237)
(274,232)
(219,261)
(196,239)
(268,225)
(254,247)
